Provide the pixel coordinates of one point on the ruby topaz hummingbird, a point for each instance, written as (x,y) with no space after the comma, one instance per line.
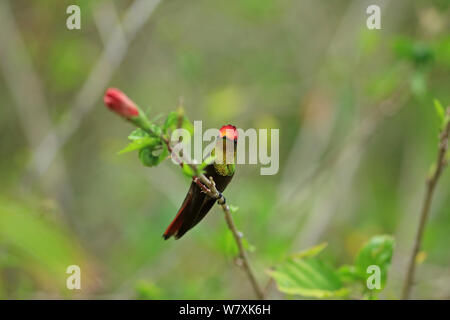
(197,204)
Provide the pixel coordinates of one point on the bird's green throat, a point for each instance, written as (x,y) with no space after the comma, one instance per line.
(224,167)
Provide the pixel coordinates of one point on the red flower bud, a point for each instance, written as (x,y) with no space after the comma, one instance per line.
(118,102)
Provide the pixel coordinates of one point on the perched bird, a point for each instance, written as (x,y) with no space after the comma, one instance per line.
(197,204)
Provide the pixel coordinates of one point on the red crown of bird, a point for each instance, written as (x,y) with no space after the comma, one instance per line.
(229,131)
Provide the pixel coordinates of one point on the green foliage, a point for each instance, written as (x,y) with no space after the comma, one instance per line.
(177,120)
(443,117)
(137,134)
(152,150)
(377,251)
(440,111)
(146,290)
(141,143)
(148,139)
(307,275)
(151,156)
(420,54)
(37,246)
(171,121)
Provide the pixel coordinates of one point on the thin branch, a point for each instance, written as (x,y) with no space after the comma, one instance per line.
(106,18)
(242,253)
(431,183)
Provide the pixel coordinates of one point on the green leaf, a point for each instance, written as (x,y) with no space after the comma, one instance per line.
(177,119)
(153,155)
(310,252)
(248,246)
(153,131)
(377,251)
(188,171)
(39,245)
(137,134)
(187,125)
(418,53)
(348,274)
(306,275)
(171,121)
(439,110)
(140,143)
(422,54)
(156,130)
(147,290)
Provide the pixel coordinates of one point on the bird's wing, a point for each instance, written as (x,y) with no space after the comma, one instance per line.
(187,212)
(201,213)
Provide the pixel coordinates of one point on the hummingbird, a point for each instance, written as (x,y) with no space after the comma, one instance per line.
(197,204)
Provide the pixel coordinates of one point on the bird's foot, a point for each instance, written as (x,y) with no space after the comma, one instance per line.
(221,199)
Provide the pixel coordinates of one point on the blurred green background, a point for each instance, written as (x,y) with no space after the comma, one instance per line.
(358,132)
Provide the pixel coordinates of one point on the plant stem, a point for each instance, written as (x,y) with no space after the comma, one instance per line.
(431,183)
(242,253)
(209,187)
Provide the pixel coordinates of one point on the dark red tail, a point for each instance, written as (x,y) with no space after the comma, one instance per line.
(177,222)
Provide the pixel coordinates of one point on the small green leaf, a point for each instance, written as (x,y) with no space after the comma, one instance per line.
(187,125)
(171,121)
(439,110)
(153,155)
(147,290)
(137,134)
(310,252)
(139,143)
(157,117)
(348,274)
(188,171)
(152,130)
(377,251)
(233,209)
(155,129)
(248,246)
(177,119)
